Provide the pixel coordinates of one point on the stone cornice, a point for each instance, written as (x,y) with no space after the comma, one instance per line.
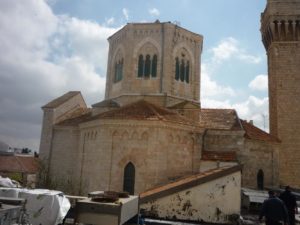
(280,28)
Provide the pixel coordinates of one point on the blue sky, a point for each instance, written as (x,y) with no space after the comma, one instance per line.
(60,45)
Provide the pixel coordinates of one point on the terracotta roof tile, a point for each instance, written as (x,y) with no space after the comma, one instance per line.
(140,110)
(23,164)
(143,110)
(62,99)
(225,119)
(78,116)
(183,104)
(253,132)
(187,182)
(219,156)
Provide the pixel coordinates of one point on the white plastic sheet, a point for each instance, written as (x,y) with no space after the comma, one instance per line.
(6,182)
(42,206)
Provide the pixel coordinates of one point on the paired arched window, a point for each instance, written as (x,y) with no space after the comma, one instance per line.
(182,70)
(147,66)
(119,70)
(129,178)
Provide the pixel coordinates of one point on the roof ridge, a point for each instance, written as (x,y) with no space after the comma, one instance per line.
(154,110)
(244,124)
(227,109)
(61,99)
(187,182)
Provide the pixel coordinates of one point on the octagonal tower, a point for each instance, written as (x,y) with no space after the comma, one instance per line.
(157,59)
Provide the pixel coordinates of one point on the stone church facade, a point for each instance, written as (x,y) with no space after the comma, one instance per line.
(151,129)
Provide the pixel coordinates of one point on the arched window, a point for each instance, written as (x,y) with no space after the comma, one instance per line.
(141,66)
(187,72)
(119,70)
(177,69)
(116,71)
(182,70)
(147,66)
(129,178)
(154,66)
(260,179)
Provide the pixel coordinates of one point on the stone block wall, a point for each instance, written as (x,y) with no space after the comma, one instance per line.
(222,140)
(259,155)
(159,152)
(64,161)
(52,116)
(284,76)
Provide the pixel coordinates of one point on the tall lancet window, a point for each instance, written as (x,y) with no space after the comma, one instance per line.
(182,70)
(154,66)
(118,66)
(177,70)
(187,72)
(147,66)
(119,70)
(141,66)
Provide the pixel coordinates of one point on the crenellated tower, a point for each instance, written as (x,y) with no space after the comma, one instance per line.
(280,29)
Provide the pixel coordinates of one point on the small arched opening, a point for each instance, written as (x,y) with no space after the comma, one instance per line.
(260,179)
(129,178)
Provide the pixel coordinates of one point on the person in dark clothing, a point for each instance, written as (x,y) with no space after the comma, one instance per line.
(290,202)
(274,211)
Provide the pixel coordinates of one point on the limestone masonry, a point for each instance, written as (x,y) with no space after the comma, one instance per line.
(150,129)
(280,29)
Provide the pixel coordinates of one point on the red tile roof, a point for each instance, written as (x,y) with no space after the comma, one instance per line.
(183,104)
(143,110)
(253,132)
(219,156)
(140,110)
(22,164)
(187,182)
(78,116)
(62,99)
(224,119)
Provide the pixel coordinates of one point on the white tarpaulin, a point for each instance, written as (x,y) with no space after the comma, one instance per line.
(45,207)
(6,182)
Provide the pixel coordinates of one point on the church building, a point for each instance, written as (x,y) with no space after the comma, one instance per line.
(151,129)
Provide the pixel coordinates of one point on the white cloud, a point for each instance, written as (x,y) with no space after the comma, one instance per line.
(255,109)
(210,88)
(225,49)
(125,13)
(215,95)
(230,48)
(110,21)
(54,54)
(259,83)
(154,12)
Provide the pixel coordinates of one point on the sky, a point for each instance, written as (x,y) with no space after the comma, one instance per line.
(50,47)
